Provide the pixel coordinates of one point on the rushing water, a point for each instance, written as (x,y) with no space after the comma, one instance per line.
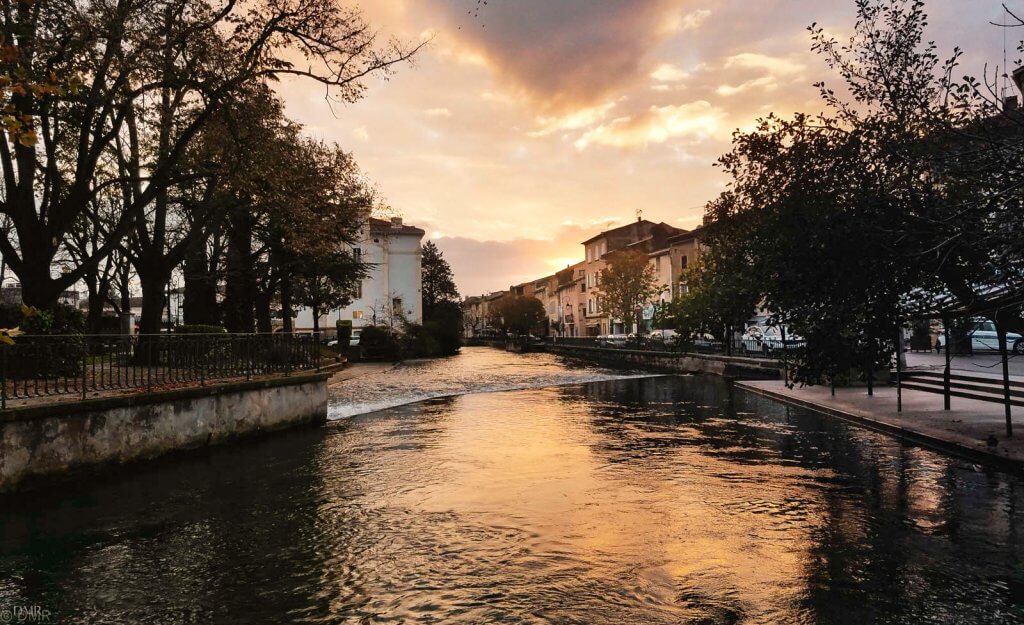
(637,500)
(476,370)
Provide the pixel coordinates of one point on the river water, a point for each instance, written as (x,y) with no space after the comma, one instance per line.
(608,498)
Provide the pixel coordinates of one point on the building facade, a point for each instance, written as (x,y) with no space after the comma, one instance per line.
(642,235)
(392,292)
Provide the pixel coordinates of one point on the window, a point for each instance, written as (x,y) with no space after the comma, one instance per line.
(357,314)
(682,262)
(359,290)
(357,254)
(396,305)
(590,306)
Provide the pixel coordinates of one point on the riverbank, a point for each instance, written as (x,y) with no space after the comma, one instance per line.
(967,430)
(45,444)
(735,367)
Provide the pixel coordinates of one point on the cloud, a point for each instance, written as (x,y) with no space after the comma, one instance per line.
(766,82)
(666,72)
(565,54)
(437,112)
(774,65)
(581,118)
(677,22)
(697,120)
(361,134)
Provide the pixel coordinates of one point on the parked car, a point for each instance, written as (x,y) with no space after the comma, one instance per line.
(661,338)
(767,339)
(984,338)
(613,340)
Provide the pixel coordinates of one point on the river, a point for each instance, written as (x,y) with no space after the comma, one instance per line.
(504,488)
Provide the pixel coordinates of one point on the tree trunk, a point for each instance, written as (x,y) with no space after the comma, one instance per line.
(286,302)
(94,318)
(264,322)
(38,289)
(200,305)
(240,282)
(153,283)
(316,319)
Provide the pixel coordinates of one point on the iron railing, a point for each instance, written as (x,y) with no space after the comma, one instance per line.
(84,365)
(743,347)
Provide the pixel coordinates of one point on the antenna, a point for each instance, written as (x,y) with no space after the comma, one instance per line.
(1002,92)
(639,214)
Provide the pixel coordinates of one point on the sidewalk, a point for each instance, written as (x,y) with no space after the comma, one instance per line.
(962,431)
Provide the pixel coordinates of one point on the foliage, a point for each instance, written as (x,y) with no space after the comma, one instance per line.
(909,189)
(59,320)
(445,326)
(716,299)
(438,281)
(629,282)
(51,344)
(114,115)
(327,281)
(517,314)
(380,343)
(344,333)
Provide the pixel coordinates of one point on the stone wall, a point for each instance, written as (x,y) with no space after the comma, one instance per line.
(674,362)
(47,442)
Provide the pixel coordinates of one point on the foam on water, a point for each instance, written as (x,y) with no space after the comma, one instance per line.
(476,370)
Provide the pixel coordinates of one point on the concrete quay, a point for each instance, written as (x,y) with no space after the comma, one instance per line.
(975,430)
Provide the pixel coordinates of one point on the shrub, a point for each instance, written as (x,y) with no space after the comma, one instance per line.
(417,342)
(344,328)
(445,327)
(39,353)
(379,343)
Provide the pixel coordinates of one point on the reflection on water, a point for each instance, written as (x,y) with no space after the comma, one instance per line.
(658,500)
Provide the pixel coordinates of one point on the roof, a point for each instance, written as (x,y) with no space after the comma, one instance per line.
(687,235)
(632,224)
(391,227)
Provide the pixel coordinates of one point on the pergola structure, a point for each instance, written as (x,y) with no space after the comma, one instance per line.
(989,304)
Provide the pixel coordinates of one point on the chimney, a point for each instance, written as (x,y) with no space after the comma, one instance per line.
(396,222)
(1010,104)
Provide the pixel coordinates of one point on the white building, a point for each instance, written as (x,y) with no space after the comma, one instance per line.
(392,290)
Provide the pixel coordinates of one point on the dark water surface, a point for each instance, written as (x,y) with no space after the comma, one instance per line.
(657,500)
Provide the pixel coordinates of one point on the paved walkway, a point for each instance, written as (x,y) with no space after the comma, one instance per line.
(965,430)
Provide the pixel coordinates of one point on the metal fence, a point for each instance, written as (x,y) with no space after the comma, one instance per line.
(80,365)
(742,347)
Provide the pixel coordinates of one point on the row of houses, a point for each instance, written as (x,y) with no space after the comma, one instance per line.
(572,297)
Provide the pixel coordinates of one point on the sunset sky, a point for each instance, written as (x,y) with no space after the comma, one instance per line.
(526,128)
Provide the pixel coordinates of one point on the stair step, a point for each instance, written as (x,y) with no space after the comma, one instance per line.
(966,377)
(995,387)
(996,398)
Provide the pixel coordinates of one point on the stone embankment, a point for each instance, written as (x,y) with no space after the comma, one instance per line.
(44,443)
(673,362)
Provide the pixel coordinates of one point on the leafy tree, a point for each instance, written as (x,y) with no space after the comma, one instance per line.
(327,282)
(438,281)
(517,313)
(718,298)
(905,189)
(114,95)
(629,282)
